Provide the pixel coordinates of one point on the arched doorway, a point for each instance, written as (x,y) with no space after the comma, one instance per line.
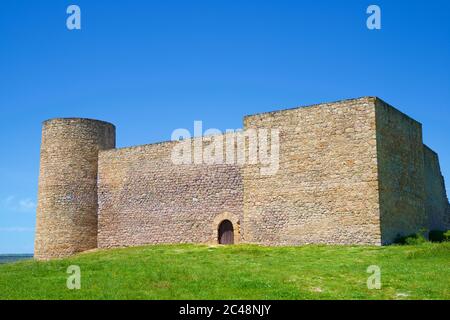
(226,232)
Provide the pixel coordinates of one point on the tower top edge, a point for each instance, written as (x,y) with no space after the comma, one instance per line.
(77,120)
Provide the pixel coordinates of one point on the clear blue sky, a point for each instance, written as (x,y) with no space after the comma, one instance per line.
(153,66)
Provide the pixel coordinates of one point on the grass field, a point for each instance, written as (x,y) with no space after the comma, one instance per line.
(237,272)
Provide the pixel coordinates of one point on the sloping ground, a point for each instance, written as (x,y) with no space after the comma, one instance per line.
(237,272)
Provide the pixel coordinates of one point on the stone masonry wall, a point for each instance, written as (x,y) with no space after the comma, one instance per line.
(436,201)
(145,199)
(350,172)
(401,173)
(326,189)
(67,202)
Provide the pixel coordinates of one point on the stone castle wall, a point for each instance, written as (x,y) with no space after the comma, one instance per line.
(145,199)
(350,172)
(67,200)
(326,190)
(401,173)
(437,208)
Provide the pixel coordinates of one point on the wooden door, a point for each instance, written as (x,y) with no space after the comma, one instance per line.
(226,232)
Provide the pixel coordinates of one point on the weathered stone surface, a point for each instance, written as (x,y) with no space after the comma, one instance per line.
(326,190)
(437,208)
(145,199)
(400,173)
(350,172)
(67,200)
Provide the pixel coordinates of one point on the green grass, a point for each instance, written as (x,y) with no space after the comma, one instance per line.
(237,272)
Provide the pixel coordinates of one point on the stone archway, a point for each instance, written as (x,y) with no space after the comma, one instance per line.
(232,228)
(225,233)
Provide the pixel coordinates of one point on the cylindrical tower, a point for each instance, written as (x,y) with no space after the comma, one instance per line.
(67,197)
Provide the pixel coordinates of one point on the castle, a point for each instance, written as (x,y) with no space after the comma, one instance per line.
(350,172)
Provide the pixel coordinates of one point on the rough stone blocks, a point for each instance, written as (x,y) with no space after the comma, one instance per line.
(350,172)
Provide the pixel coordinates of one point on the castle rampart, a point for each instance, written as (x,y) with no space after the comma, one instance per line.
(349,172)
(437,209)
(145,199)
(326,190)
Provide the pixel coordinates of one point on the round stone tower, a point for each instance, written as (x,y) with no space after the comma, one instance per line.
(67,197)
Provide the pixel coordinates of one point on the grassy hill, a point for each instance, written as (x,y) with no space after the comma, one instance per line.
(237,272)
